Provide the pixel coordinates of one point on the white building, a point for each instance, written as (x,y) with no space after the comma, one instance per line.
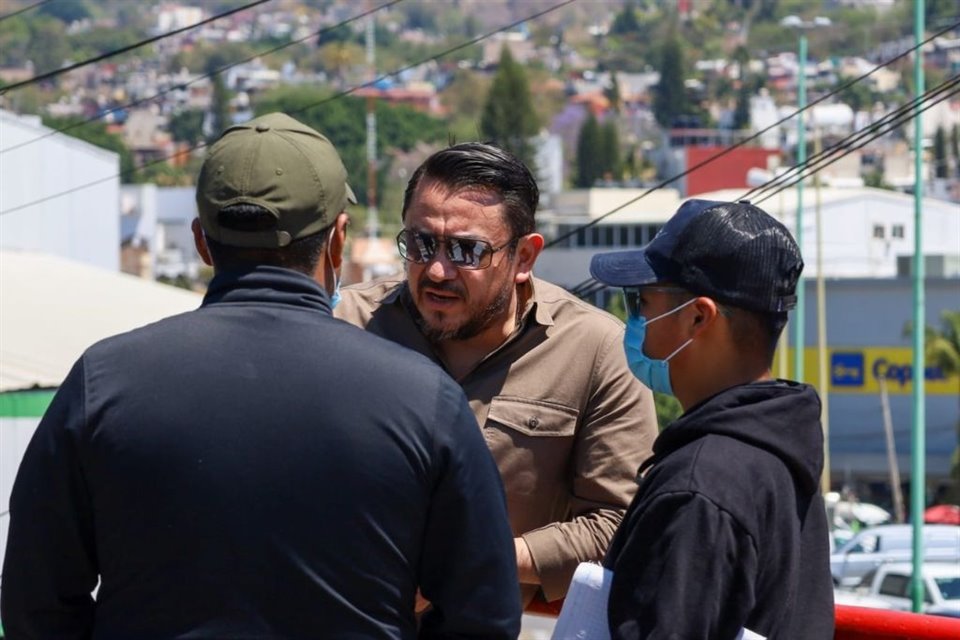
(158,219)
(58,194)
(867,233)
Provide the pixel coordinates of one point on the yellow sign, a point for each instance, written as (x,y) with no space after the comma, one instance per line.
(859,369)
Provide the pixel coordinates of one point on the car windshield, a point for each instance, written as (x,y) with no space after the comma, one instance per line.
(949,587)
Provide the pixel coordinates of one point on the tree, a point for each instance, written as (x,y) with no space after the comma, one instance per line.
(612,93)
(609,147)
(625,22)
(220,117)
(955,148)
(670,95)
(187,126)
(508,117)
(741,112)
(940,153)
(942,349)
(588,153)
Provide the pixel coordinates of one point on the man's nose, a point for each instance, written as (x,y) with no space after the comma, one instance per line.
(440,268)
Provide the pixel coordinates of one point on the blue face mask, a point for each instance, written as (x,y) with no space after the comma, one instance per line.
(335,296)
(653,373)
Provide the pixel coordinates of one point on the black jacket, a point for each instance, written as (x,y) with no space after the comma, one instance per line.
(258,469)
(728,528)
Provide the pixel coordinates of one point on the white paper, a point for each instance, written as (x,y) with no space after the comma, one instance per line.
(584,612)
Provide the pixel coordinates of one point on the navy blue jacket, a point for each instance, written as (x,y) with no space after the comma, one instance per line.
(728,529)
(258,469)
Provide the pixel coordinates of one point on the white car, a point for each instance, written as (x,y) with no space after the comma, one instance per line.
(891,543)
(888,587)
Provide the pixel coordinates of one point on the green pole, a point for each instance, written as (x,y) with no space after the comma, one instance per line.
(918,472)
(798,323)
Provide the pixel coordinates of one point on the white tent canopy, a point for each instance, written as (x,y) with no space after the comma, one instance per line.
(52,309)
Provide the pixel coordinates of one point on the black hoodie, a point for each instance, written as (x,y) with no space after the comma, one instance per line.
(728,528)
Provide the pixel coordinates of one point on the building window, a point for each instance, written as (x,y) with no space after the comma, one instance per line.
(624,235)
(897,231)
(878,231)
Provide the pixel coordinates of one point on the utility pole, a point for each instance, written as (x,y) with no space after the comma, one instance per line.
(822,357)
(918,471)
(373,218)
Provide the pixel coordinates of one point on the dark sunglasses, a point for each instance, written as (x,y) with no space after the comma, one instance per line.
(464,253)
(633,297)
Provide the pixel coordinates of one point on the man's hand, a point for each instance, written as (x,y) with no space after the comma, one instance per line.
(525,567)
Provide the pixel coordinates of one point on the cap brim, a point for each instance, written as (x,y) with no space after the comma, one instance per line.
(351,196)
(623,268)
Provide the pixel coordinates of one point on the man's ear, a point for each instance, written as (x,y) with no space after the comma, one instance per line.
(703,312)
(528,248)
(200,242)
(338,239)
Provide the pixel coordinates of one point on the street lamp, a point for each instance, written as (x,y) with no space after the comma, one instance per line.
(795,22)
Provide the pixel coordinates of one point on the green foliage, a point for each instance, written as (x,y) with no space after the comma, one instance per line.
(626,21)
(610,164)
(96,134)
(940,153)
(220,117)
(343,121)
(65,11)
(955,148)
(668,409)
(508,117)
(187,126)
(670,95)
(98,40)
(588,150)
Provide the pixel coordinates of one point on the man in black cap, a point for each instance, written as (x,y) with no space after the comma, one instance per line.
(223,474)
(727,533)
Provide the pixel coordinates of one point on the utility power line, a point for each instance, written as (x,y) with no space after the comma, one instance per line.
(340,95)
(14,14)
(116,52)
(210,74)
(743,142)
(844,147)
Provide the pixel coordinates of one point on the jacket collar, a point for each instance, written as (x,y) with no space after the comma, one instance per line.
(267,285)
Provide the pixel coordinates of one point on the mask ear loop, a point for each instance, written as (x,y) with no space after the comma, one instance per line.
(667,313)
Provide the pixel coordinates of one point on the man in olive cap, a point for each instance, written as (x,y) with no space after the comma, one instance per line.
(222,474)
(727,532)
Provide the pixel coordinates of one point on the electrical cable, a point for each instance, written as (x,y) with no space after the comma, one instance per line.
(949,91)
(885,124)
(116,52)
(342,94)
(13,14)
(210,74)
(754,136)
(855,141)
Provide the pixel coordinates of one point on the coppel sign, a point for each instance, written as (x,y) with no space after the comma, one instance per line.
(860,370)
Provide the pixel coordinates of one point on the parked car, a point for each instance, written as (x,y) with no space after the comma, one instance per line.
(891,543)
(888,587)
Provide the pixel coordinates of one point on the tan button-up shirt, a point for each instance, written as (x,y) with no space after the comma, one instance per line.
(566,421)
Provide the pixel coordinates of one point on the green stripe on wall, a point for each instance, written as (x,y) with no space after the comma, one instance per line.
(25,404)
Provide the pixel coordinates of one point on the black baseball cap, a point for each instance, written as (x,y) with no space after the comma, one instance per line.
(733,252)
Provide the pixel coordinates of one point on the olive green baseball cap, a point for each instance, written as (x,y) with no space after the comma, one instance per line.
(281,165)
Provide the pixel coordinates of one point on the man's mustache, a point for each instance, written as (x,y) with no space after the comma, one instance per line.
(447,286)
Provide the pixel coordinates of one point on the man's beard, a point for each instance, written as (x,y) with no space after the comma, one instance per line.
(475,324)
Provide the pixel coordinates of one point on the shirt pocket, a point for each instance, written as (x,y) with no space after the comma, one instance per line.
(536,418)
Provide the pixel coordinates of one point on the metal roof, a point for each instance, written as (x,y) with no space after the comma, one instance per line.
(52,309)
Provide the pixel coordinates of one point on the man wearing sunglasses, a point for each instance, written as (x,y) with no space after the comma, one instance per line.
(547,380)
(728,529)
